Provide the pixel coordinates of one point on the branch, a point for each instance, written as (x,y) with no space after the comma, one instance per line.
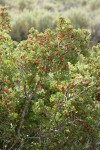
(68,90)
(34,138)
(21,121)
(28,99)
(21,145)
(25,90)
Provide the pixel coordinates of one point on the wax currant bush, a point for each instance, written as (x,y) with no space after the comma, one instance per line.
(49,90)
(4,19)
(7,72)
(44,57)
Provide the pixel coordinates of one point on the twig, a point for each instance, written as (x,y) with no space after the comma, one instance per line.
(34,137)
(68,89)
(25,90)
(74,98)
(21,145)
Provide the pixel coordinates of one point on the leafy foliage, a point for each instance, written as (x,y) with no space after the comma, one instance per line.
(49,89)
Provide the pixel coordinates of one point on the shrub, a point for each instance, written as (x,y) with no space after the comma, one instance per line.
(27,4)
(21,25)
(46,20)
(50,7)
(78,17)
(94,4)
(26,20)
(49,90)
(2,2)
(4,19)
(95,26)
(66,5)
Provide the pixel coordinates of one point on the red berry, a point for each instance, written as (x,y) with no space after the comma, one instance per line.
(37,62)
(5,80)
(10,108)
(72,36)
(63,89)
(29,61)
(4,102)
(49,57)
(6,90)
(72,47)
(70,28)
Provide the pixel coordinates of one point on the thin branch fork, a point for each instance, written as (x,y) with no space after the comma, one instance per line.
(74,98)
